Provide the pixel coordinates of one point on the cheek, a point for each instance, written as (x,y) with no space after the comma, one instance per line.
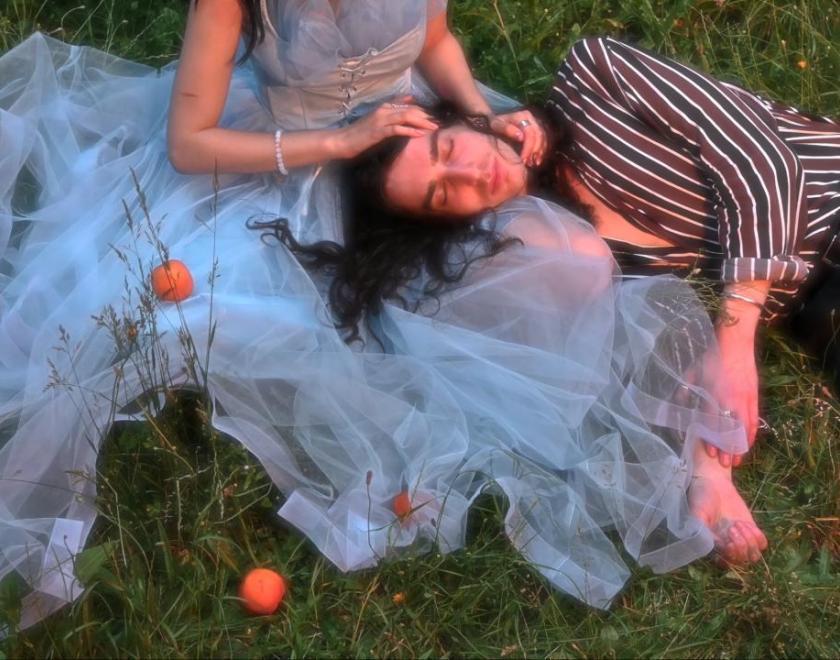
(521,179)
(470,202)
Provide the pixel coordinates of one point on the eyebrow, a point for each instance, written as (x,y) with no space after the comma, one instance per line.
(433,156)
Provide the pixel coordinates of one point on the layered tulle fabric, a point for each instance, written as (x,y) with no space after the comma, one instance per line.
(538,376)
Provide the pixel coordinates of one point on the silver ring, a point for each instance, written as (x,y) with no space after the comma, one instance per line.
(726,412)
(524,123)
(398,106)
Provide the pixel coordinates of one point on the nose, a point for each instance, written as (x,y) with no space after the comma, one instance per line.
(471,174)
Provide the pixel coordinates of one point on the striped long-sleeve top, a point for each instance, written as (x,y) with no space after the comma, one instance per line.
(741,187)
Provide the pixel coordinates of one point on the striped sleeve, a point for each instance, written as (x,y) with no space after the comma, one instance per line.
(758,181)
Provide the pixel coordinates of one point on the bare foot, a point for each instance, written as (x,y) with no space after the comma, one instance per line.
(714,499)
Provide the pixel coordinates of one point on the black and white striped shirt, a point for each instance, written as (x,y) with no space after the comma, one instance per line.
(743,188)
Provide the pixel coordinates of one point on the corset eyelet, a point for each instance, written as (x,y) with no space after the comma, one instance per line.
(352,71)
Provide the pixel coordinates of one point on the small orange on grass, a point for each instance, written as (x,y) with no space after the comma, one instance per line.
(171,281)
(262,591)
(402,504)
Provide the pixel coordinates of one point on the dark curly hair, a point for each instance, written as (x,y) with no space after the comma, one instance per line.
(253,26)
(386,252)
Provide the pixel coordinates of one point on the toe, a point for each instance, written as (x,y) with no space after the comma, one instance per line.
(752,536)
(759,540)
(738,546)
(753,553)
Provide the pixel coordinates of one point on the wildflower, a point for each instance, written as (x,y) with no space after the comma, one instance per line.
(398,598)
(802,65)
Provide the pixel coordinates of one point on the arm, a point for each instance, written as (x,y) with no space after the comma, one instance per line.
(736,385)
(198,145)
(443,63)
(758,180)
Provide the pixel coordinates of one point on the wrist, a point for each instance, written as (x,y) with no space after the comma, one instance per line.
(336,144)
(478,109)
(737,323)
(741,307)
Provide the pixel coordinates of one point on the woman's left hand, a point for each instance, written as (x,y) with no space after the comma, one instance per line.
(523,127)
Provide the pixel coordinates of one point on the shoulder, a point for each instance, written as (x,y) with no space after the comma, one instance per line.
(222,11)
(596,50)
(213,27)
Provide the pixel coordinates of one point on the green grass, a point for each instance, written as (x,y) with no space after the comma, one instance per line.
(183,518)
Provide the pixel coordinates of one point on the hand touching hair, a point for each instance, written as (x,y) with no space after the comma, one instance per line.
(388,255)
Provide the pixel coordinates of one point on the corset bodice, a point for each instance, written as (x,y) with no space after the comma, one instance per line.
(319,66)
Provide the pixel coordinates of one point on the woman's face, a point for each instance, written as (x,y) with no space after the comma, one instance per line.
(454,172)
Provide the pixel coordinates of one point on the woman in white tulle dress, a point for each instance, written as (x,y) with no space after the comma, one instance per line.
(532,373)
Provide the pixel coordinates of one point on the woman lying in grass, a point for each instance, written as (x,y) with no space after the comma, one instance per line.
(680,173)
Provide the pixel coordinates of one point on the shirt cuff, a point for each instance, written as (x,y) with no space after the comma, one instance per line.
(776,269)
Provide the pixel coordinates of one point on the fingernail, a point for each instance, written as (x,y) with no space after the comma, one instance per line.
(520,135)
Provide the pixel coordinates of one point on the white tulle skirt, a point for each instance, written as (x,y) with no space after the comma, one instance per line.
(539,376)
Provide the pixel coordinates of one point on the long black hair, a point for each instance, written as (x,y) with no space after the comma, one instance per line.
(388,255)
(253,26)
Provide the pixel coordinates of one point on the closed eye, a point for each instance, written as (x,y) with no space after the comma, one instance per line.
(444,194)
(444,186)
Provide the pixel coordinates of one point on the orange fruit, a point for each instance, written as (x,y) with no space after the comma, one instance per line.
(262,591)
(402,504)
(171,281)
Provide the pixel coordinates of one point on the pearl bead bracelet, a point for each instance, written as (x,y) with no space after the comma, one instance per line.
(278,153)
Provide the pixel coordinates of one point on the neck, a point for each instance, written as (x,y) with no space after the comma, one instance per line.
(553,181)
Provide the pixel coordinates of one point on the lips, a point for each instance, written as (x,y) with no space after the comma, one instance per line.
(496,178)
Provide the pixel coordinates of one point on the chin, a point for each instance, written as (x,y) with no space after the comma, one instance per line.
(523,181)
